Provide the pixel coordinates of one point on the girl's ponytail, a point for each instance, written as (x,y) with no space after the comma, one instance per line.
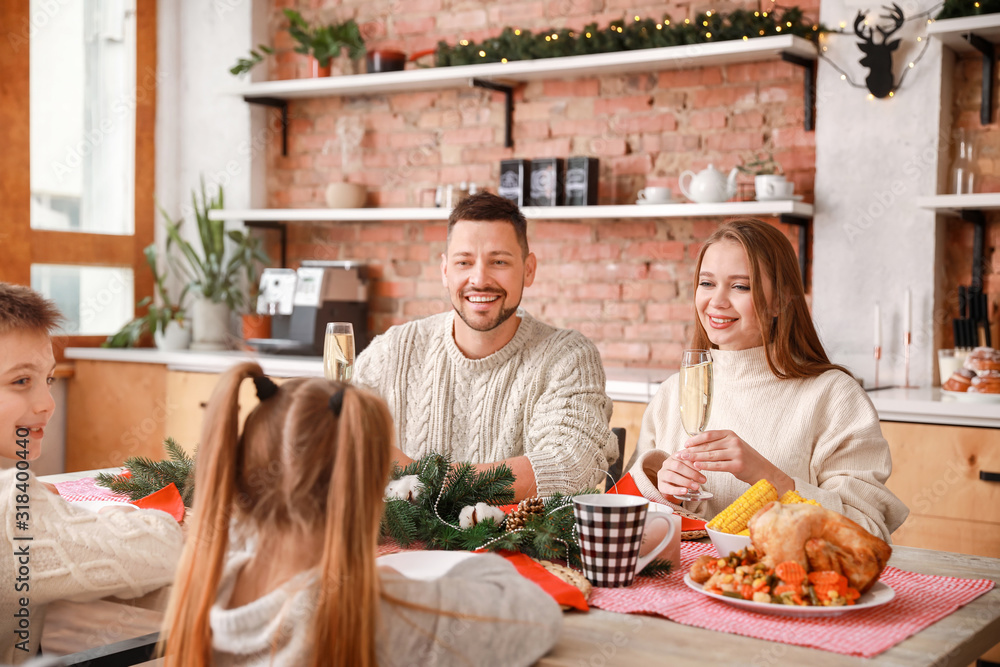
(187,632)
(347,609)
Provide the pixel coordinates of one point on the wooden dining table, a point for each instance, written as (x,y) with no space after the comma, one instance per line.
(599,637)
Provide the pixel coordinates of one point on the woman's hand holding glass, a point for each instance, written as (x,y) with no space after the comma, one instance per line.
(718,451)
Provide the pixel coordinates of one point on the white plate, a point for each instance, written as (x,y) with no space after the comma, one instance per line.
(971,396)
(876,597)
(792,198)
(424,565)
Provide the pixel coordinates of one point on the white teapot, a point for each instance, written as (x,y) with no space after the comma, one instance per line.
(708,185)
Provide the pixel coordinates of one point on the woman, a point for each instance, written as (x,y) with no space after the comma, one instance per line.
(301,490)
(781,410)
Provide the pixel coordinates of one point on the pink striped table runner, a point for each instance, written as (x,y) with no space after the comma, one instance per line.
(920,601)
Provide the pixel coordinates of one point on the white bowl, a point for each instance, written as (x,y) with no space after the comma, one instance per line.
(726,543)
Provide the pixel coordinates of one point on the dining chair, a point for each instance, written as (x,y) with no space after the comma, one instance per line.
(126,653)
(615,469)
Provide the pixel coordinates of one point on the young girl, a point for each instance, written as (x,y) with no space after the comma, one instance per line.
(279,567)
(53,550)
(781,410)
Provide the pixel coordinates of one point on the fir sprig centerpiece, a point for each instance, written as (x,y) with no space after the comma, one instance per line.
(147,476)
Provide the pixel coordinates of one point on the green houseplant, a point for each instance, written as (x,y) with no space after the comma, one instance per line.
(214,272)
(167,322)
(325,42)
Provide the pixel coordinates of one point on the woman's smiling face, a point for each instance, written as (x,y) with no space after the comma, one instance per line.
(723,298)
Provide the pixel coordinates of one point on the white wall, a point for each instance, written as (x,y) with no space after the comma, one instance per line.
(871,242)
(201,129)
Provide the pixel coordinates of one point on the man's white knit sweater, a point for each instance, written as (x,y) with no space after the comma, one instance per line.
(74,554)
(821,431)
(542,396)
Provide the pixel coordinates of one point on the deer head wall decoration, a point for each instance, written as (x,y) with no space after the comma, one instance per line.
(878,56)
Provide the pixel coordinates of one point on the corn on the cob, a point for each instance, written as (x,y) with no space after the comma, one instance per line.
(734,518)
(745,532)
(792,497)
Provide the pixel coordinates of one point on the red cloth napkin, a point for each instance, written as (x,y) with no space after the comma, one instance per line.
(167,499)
(920,600)
(561,592)
(626,486)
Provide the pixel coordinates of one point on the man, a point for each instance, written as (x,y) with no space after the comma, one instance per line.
(487,382)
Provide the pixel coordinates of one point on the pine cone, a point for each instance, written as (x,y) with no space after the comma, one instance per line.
(525,510)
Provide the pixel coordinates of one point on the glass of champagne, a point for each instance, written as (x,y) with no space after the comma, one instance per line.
(338,351)
(695,393)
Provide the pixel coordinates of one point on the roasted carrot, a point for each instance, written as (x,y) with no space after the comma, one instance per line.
(823,577)
(746,590)
(790,572)
(787,588)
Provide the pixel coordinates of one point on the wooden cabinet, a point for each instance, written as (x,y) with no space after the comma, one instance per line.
(935,471)
(118,409)
(114,410)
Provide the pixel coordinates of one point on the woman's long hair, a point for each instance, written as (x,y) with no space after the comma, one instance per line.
(791,344)
(295,464)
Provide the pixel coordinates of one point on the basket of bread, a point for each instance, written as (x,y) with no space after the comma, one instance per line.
(979,377)
(799,553)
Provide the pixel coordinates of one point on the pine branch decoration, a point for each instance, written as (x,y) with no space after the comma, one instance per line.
(631,34)
(433,517)
(149,476)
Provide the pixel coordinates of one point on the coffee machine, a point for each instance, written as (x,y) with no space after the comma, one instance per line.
(301,303)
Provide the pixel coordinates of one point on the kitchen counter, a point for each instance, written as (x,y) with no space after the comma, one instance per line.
(923,405)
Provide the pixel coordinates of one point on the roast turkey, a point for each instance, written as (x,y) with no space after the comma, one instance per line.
(819,539)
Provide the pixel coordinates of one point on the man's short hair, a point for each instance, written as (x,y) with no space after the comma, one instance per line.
(24,309)
(488,207)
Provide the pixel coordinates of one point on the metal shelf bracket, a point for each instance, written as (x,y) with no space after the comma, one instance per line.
(802,223)
(508,92)
(988,51)
(277,104)
(809,87)
(977,218)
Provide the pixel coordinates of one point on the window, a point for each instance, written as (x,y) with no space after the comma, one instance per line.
(76,199)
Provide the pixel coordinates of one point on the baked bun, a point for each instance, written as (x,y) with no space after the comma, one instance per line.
(987,382)
(960,380)
(983,359)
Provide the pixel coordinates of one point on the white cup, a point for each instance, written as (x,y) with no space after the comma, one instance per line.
(654,194)
(773,186)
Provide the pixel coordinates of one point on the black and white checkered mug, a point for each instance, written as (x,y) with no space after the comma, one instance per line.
(610,528)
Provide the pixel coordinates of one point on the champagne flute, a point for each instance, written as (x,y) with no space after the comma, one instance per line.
(696,388)
(338,351)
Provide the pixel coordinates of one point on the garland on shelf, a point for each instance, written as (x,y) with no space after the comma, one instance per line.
(629,35)
(148,476)
(957,8)
(427,498)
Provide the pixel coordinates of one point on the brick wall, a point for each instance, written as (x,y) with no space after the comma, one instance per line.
(958,251)
(626,284)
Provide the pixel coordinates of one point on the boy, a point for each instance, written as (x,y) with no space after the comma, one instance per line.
(49,549)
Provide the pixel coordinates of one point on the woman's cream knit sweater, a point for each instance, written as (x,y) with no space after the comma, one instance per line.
(74,554)
(822,431)
(542,396)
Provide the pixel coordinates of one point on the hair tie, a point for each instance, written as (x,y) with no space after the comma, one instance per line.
(265,387)
(337,401)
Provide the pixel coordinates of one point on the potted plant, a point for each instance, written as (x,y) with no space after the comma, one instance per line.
(768,177)
(167,322)
(326,42)
(213,273)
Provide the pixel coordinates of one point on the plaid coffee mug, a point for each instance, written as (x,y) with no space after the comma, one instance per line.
(610,528)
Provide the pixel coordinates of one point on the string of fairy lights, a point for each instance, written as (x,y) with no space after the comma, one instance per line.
(623,35)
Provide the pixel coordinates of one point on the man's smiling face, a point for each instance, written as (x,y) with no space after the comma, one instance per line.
(485,271)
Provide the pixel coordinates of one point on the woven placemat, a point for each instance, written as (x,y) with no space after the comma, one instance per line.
(570,576)
(688,535)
